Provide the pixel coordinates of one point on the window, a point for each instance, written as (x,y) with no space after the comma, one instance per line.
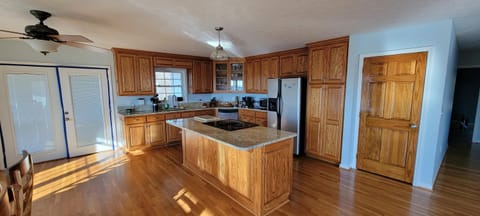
(168,82)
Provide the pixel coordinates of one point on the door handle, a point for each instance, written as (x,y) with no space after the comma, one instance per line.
(67,119)
(413,125)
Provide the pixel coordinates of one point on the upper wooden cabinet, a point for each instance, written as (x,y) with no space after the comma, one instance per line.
(135,71)
(173,62)
(328,61)
(294,63)
(258,72)
(228,75)
(200,77)
(135,74)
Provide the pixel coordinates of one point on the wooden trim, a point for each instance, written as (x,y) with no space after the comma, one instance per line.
(329,41)
(278,53)
(159,54)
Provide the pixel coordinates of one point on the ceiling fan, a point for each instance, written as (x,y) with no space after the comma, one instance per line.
(45,39)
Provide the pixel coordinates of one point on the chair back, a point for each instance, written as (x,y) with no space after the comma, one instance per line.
(21,181)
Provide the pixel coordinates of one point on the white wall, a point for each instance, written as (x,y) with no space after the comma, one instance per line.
(436,37)
(19,52)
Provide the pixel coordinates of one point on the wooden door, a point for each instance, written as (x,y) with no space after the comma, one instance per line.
(156,133)
(331,145)
(287,65)
(302,64)
(248,81)
(173,133)
(392,91)
(126,74)
(195,78)
(257,68)
(314,128)
(145,71)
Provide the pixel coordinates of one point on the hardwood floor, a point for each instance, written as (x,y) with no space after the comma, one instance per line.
(155,183)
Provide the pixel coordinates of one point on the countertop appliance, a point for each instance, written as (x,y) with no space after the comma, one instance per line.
(286,108)
(230,124)
(227,113)
(263,103)
(248,101)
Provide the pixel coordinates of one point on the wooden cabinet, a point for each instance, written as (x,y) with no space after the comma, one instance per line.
(328,61)
(228,75)
(160,61)
(144,131)
(325,121)
(200,77)
(253,116)
(294,63)
(325,99)
(205,112)
(258,72)
(135,74)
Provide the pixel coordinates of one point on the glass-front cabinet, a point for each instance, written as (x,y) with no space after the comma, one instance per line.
(229,75)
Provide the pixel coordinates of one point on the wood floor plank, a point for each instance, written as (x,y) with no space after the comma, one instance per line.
(155,183)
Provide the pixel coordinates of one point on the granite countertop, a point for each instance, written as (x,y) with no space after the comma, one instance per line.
(243,139)
(150,112)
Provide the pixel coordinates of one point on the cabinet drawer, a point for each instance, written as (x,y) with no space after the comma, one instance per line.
(245,112)
(188,114)
(173,116)
(260,114)
(154,118)
(135,120)
(205,112)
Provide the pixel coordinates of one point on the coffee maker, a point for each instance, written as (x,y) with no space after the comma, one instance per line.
(248,102)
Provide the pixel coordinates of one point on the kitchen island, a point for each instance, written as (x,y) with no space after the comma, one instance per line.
(253,166)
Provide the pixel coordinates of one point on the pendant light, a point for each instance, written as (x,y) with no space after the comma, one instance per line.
(219,54)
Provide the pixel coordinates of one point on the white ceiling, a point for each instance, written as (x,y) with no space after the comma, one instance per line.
(251,26)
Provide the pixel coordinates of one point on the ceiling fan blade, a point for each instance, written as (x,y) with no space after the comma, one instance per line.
(19,33)
(11,37)
(86,47)
(76,38)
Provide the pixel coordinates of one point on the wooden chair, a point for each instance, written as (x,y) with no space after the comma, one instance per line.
(21,181)
(5,204)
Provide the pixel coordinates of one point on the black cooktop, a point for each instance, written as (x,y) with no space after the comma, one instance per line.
(230,124)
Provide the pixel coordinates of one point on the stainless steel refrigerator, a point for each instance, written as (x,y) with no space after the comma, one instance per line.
(286,108)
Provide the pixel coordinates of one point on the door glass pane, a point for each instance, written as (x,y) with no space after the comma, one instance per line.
(31,112)
(87,109)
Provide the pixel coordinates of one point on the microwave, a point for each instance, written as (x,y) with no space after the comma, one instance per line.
(263,103)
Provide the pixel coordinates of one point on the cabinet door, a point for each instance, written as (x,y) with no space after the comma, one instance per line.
(246,115)
(156,133)
(173,133)
(249,78)
(337,64)
(195,78)
(126,74)
(261,118)
(318,64)
(221,77)
(302,64)
(264,75)
(135,135)
(207,77)
(287,65)
(333,123)
(315,104)
(257,68)
(145,78)
(274,66)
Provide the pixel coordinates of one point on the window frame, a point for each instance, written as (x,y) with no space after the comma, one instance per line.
(183,78)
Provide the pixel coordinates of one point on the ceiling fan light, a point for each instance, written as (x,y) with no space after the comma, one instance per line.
(219,54)
(43,46)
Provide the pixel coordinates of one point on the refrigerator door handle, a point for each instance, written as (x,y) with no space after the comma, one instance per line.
(280,105)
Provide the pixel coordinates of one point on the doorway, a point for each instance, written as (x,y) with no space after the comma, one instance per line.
(392,92)
(54,112)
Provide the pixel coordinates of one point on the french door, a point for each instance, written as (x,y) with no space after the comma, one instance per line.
(85,108)
(32,118)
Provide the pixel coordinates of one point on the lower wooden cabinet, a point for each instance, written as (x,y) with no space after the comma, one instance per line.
(152,131)
(253,116)
(325,121)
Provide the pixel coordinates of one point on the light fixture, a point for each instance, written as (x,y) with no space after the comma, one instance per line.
(43,46)
(219,54)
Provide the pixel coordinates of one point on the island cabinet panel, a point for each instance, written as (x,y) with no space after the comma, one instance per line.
(173,134)
(259,179)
